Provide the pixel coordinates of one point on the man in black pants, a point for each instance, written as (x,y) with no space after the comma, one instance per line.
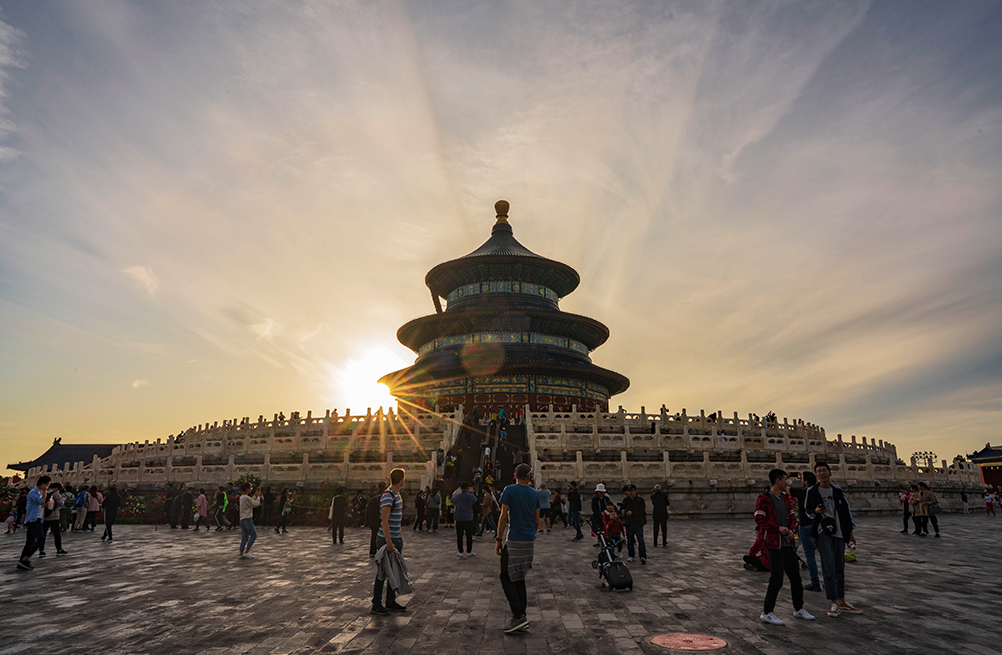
(33,514)
(339,515)
(574,509)
(464,501)
(776,516)
(659,510)
(187,501)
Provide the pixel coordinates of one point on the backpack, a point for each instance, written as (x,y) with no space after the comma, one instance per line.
(83,499)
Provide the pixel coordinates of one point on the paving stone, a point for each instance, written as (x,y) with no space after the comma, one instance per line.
(165,592)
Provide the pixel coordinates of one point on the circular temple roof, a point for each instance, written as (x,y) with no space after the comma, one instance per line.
(502,257)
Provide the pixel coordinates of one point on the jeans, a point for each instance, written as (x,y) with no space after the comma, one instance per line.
(513,591)
(575,518)
(810,545)
(433,518)
(832,552)
(53,527)
(465,528)
(33,539)
(662,523)
(635,532)
(377,588)
(81,519)
(486,523)
(783,560)
(248,533)
(907,515)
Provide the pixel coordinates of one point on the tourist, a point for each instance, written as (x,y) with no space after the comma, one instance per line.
(433,508)
(391,512)
(920,510)
(338,515)
(248,533)
(269,510)
(82,504)
(33,515)
(372,516)
(931,506)
(828,509)
(776,516)
(419,512)
(635,514)
(65,514)
(904,497)
(514,543)
(989,503)
(201,510)
(450,511)
(51,522)
(463,499)
(612,528)
(659,512)
(574,509)
(175,511)
(111,504)
(94,507)
(963,501)
(187,502)
(488,505)
(285,507)
(544,507)
(219,508)
(599,502)
(804,523)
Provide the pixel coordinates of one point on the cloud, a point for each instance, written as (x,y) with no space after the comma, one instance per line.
(143,278)
(772,207)
(139,384)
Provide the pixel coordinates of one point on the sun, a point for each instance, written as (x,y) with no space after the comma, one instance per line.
(353,382)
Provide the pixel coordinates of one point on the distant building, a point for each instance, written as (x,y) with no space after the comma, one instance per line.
(989,459)
(60,454)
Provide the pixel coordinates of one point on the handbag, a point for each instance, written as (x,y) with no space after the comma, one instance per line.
(935,508)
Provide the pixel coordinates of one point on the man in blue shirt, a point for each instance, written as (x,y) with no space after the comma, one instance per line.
(34,514)
(520,515)
(463,500)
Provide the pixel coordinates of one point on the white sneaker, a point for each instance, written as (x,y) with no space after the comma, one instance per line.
(248,556)
(834,611)
(803,614)
(771,618)
(629,559)
(240,556)
(459,554)
(470,554)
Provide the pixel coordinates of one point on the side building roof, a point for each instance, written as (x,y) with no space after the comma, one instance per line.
(60,453)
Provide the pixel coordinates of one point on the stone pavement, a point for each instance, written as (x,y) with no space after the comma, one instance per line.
(173,592)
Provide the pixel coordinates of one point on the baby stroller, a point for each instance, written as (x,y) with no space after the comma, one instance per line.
(611,572)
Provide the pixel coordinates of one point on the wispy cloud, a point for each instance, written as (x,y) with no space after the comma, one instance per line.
(773,207)
(143,278)
(139,384)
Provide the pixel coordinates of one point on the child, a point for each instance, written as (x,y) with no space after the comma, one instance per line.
(12,522)
(613,528)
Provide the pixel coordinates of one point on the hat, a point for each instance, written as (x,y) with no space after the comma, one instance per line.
(630,487)
(599,487)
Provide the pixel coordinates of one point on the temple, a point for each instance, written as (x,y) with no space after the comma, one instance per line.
(502,341)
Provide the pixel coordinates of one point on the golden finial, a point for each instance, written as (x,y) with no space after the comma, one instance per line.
(501,207)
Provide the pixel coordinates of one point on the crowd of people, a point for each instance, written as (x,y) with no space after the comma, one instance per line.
(798,510)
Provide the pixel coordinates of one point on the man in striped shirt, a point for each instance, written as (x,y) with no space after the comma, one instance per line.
(391,512)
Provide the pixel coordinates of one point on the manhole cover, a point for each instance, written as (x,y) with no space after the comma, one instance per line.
(685,641)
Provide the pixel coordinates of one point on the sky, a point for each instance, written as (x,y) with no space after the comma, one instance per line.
(226,209)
